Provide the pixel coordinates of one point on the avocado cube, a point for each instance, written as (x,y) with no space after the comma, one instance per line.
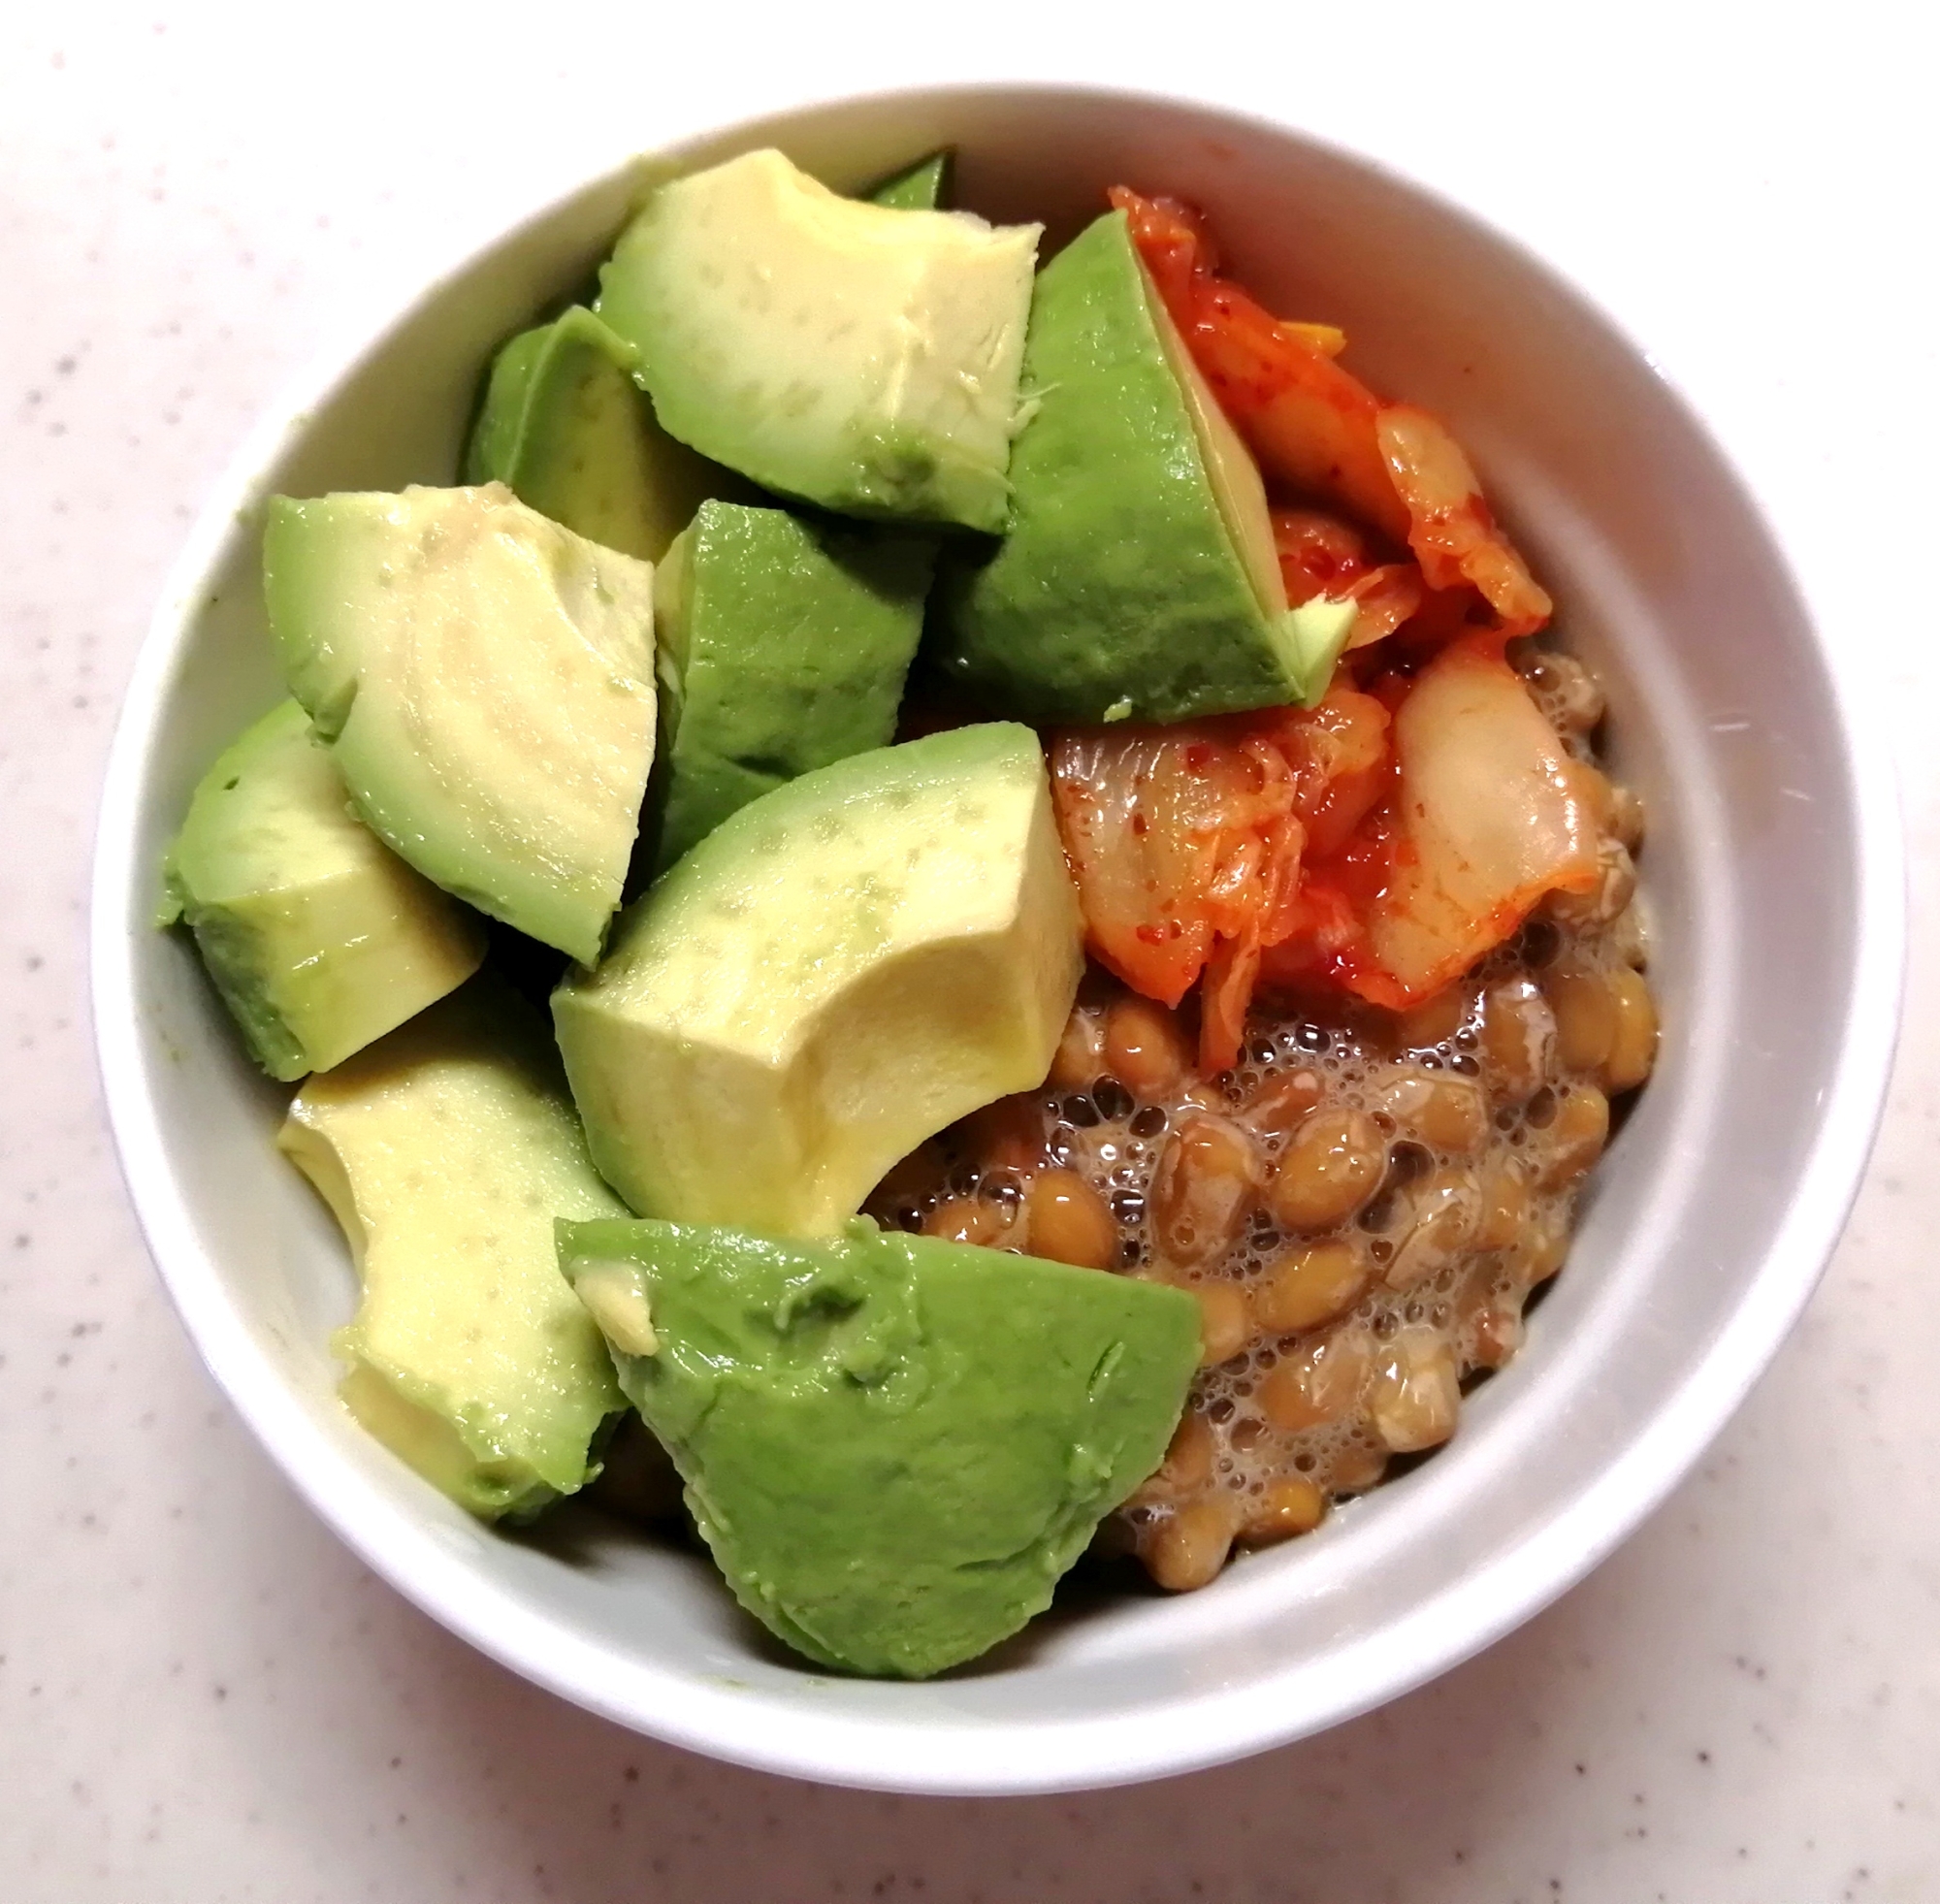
(484,680)
(1138,579)
(893,1446)
(317,936)
(783,647)
(445,1151)
(836,972)
(565,427)
(849,355)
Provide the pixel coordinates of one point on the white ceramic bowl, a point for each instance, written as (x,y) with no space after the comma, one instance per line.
(1773,864)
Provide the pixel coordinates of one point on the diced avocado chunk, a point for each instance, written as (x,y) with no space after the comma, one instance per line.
(492,449)
(838,971)
(318,937)
(446,1151)
(783,647)
(484,679)
(565,425)
(856,356)
(1138,578)
(893,1445)
(921,188)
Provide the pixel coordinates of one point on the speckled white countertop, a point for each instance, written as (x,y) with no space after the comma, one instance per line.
(203,1698)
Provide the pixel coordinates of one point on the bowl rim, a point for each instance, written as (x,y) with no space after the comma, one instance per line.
(1225,1724)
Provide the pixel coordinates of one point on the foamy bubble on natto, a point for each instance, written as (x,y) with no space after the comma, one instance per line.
(1114,1141)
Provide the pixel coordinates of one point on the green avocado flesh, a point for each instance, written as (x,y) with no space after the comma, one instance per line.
(783,647)
(836,972)
(1138,578)
(318,937)
(922,189)
(485,682)
(893,1446)
(850,354)
(564,425)
(446,1151)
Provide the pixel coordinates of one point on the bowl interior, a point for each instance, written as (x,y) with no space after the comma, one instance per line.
(1693,1251)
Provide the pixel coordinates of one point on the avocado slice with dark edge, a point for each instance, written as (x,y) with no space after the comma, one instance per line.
(894,1445)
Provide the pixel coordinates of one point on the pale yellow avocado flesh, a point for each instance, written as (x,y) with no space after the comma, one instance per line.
(446,1151)
(842,968)
(485,682)
(863,358)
